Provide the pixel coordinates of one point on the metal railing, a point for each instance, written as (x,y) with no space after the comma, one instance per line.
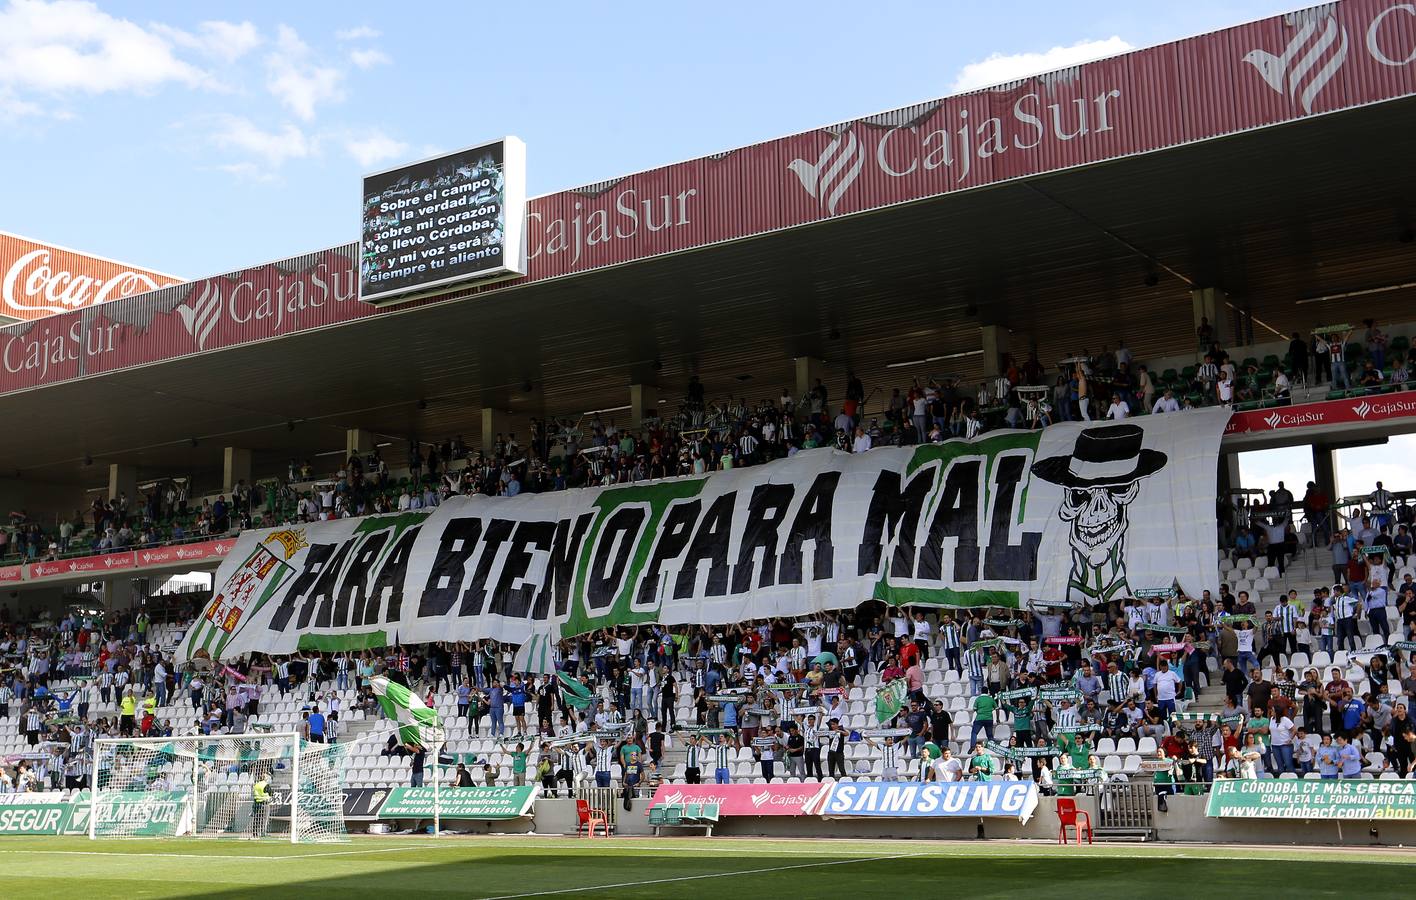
(1126,805)
(607,799)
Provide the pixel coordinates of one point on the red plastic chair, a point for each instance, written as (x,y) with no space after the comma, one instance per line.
(1068,814)
(587,817)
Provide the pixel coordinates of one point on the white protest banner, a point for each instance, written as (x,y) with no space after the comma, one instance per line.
(1085,512)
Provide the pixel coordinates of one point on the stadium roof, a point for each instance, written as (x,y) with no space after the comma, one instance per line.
(1272,216)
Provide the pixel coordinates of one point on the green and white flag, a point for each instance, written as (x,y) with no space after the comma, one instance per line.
(537,655)
(573,692)
(890,699)
(417,724)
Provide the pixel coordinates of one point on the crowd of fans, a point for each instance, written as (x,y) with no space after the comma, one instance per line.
(64,683)
(1065,681)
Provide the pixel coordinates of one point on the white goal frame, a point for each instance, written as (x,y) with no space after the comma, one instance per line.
(292,743)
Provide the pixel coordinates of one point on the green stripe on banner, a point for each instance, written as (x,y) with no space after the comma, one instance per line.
(333,642)
(658,496)
(897,596)
(943,454)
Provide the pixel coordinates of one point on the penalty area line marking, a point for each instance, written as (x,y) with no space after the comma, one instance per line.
(627,884)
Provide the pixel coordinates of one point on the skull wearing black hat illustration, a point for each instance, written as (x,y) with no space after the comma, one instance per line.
(1100,479)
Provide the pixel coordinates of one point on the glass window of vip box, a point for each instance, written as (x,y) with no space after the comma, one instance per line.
(454,218)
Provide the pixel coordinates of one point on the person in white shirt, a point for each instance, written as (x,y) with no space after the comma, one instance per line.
(813,641)
(1167,688)
(922,632)
(949,768)
(1167,403)
(862,441)
(1282,388)
(1118,409)
(1224,389)
(1281,731)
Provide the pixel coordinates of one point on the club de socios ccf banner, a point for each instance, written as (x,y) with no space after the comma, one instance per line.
(1080,511)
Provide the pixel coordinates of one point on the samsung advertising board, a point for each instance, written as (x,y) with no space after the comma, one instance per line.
(454,218)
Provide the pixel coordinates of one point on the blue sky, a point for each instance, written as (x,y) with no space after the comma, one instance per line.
(197,138)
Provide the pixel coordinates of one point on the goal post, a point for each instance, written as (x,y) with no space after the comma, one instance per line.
(260,786)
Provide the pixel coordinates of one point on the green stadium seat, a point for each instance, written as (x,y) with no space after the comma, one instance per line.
(665,815)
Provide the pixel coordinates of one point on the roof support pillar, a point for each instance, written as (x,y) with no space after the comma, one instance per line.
(996,345)
(808,370)
(643,404)
(122,480)
(118,594)
(1210,306)
(357,442)
(495,422)
(1229,479)
(1324,473)
(235,468)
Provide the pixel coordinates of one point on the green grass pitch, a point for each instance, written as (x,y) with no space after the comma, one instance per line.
(506,868)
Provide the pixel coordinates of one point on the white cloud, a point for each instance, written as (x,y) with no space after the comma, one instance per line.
(13,108)
(367,59)
(999,69)
(241,136)
(248,171)
(225,41)
(375,147)
(73,46)
(362,33)
(296,80)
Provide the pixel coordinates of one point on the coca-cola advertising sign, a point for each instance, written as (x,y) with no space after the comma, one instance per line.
(1371,408)
(747,799)
(38,280)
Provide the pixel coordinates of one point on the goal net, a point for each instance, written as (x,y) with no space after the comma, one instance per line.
(252,786)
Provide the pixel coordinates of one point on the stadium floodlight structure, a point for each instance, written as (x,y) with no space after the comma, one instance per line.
(244,786)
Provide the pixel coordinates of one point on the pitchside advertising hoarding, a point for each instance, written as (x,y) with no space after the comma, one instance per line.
(1286,798)
(746,799)
(459,803)
(867,799)
(1078,512)
(453,218)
